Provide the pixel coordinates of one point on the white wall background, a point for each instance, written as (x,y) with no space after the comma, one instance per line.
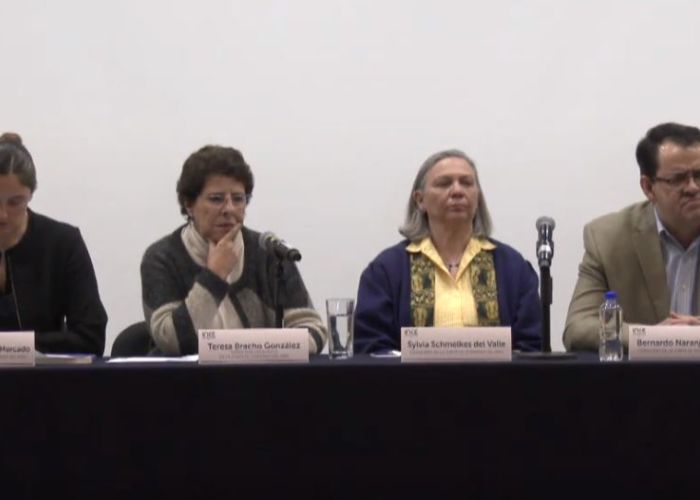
(335,104)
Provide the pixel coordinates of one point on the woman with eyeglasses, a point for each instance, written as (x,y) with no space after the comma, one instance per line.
(447,271)
(212,272)
(47,282)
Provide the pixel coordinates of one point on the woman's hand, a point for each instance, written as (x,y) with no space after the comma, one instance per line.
(222,257)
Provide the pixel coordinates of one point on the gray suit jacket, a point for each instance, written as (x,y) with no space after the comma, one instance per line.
(622,253)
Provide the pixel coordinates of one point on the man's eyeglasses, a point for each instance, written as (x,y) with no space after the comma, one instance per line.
(677,181)
(219,199)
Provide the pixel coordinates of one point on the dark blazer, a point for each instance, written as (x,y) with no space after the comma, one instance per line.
(56,289)
(383,299)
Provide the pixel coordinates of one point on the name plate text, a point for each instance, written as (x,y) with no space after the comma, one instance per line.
(254,345)
(17,348)
(435,344)
(662,342)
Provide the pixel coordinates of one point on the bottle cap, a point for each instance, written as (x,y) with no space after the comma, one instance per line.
(610,295)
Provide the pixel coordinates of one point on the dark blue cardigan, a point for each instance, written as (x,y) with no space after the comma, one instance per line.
(383,299)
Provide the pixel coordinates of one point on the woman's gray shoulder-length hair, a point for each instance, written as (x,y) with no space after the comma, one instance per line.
(416,227)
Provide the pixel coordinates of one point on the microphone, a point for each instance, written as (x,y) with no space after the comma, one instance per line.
(278,247)
(545,246)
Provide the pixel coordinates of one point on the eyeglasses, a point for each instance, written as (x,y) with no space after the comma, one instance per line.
(219,199)
(677,181)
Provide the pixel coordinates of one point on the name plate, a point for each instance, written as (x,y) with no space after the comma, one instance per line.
(434,344)
(254,345)
(663,342)
(17,348)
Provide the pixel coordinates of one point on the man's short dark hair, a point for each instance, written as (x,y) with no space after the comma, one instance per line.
(211,160)
(648,147)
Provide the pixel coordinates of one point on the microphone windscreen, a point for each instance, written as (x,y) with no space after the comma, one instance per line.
(544,221)
(266,240)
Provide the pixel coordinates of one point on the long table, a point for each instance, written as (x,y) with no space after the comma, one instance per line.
(359,427)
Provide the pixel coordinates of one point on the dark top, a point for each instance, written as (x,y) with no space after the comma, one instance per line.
(55,289)
(8,310)
(384,295)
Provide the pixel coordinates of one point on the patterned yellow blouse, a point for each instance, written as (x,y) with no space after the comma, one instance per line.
(454,297)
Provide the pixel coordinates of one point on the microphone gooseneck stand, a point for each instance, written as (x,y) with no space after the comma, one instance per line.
(281,255)
(546,297)
(280,287)
(545,252)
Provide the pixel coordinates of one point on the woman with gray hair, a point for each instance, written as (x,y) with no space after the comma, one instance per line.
(448,271)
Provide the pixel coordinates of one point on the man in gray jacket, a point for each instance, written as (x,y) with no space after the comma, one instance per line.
(647,252)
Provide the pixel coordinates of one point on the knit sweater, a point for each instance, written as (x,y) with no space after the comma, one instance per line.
(181,295)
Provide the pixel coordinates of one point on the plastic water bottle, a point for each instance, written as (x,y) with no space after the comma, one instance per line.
(610,347)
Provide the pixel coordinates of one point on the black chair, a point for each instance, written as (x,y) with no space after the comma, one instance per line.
(134,340)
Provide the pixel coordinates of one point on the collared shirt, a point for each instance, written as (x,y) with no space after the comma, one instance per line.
(454,299)
(681,270)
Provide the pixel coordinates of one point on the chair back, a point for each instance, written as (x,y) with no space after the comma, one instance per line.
(134,340)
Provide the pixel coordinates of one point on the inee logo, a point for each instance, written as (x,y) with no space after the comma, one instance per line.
(639,331)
